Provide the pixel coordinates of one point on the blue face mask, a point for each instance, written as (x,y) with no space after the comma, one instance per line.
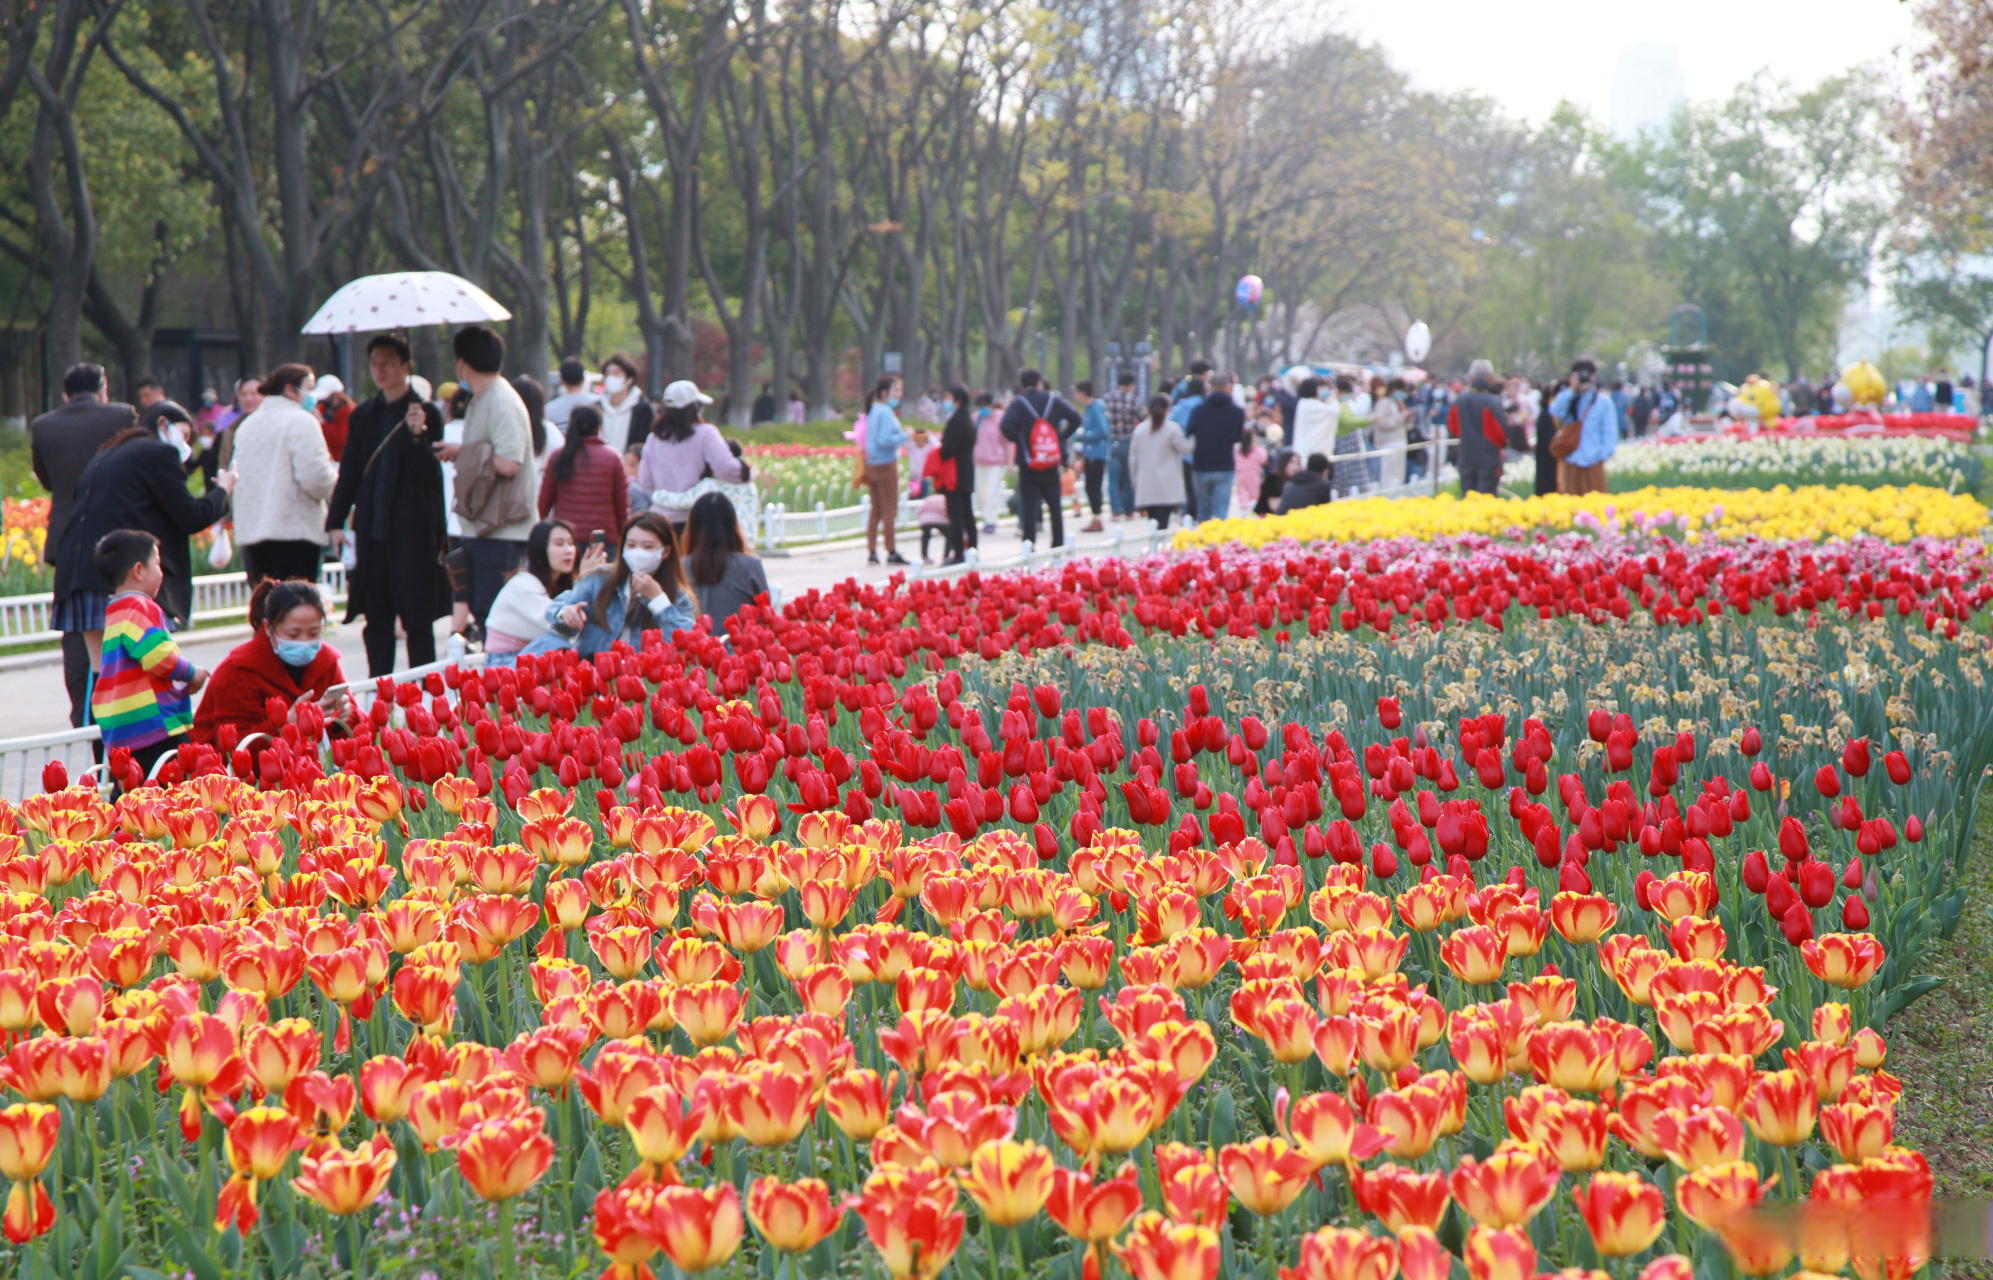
(310,400)
(892,402)
(297,653)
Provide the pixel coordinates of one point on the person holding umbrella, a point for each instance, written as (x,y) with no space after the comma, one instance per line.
(391,485)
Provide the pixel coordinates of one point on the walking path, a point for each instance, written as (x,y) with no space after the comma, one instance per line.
(31,688)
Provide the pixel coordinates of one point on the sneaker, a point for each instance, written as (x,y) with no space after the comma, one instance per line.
(895,558)
(1095,527)
(873,558)
(989,528)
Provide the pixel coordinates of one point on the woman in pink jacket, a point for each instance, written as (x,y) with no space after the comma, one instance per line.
(993,456)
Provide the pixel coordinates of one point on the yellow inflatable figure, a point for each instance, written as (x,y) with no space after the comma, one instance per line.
(1762,396)
(1864,381)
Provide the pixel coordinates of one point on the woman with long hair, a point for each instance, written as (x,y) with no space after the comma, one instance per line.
(644,590)
(585,484)
(684,449)
(519,615)
(724,576)
(884,438)
(958,452)
(533,394)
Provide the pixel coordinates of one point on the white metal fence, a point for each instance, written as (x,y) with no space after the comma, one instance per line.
(782,529)
(218,597)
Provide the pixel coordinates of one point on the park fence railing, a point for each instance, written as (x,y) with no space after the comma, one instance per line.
(218,598)
(781,529)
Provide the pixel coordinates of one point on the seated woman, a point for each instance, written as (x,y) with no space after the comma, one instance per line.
(519,614)
(725,577)
(643,591)
(286,658)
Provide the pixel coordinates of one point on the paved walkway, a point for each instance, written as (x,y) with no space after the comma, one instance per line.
(32,695)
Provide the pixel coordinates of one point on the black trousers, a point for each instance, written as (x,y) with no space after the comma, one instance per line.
(282,560)
(961,523)
(76,676)
(1189,493)
(493,560)
(378,636)
(1096,471)
(1035,488)
(1161,515)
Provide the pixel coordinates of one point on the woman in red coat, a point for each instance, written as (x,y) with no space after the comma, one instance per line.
(584,482)
(287,659)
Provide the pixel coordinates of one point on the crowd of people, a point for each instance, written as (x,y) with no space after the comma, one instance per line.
(572,520)
(528,520)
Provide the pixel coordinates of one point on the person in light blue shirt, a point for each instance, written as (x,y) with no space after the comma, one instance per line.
(1096,440)
(1191,395)
(1584,402)
(884,438)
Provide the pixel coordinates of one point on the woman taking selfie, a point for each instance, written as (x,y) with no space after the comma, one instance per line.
(643,591)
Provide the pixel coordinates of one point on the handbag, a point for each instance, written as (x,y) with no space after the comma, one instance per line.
(1571,434)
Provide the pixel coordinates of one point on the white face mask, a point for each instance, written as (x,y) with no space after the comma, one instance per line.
(641,560)
(176,435)
(615,383)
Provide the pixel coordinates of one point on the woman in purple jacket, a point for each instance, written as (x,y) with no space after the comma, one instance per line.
(682,450)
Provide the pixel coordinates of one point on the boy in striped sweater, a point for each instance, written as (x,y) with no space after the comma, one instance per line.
(141,701)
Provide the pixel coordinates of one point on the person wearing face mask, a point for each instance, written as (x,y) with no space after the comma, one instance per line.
(285,659)
(138,481)
(287,474)
(644,590)
(627,417)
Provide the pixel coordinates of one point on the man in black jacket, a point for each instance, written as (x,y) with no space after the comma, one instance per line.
(62,442)
(1040,484)
(1311,488)
(1217,426)
(392,485)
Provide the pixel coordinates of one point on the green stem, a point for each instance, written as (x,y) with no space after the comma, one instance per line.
(353,1246)
(507,1249)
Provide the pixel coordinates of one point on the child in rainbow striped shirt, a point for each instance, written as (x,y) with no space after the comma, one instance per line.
(142,699)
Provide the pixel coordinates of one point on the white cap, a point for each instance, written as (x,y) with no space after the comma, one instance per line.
(684,392)
(328,384)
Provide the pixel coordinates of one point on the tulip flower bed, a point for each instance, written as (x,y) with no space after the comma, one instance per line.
(1767,460)
(799,475)
(1806,514)
(1165,920)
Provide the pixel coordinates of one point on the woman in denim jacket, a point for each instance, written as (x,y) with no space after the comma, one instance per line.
(645,590)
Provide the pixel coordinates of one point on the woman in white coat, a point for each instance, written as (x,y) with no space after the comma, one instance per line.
(1155,462)
(286,473)
(1314,420)
(1388,423)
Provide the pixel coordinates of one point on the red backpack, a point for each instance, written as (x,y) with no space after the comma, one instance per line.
(1042,451)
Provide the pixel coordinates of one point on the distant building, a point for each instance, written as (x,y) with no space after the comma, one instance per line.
(1647,86)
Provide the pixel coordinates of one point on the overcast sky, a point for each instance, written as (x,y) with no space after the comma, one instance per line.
(1529,54)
